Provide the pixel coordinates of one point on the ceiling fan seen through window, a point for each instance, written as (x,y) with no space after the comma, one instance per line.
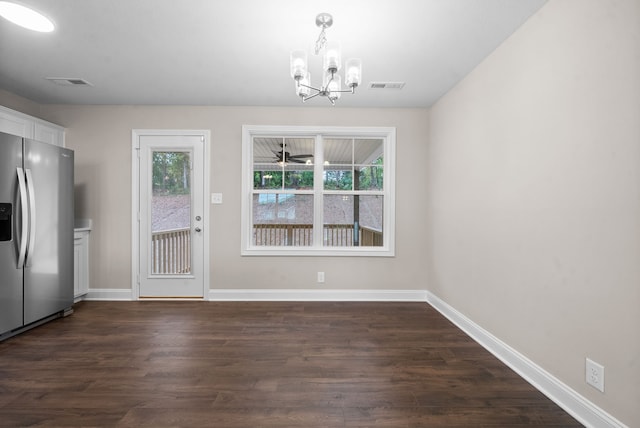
(283,157)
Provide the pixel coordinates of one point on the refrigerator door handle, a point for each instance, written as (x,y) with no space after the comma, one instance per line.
(25,218)
(32,218)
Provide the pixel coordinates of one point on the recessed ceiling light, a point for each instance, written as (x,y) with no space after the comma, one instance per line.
(25,17)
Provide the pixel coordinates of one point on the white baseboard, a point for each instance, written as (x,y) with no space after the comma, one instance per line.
(280,295)
(318,295)
(573,403)
(109,294)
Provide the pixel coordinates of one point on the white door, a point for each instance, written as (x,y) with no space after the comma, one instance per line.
(171,226)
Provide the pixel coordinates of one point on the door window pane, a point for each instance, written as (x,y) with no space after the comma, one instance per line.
(171,214)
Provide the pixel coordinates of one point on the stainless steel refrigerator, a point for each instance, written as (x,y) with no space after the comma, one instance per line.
(36,233)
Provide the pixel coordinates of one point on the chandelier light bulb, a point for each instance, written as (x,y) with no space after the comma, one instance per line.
(353,72)
(334,87)
(332,60)
(298,64)
(303,86)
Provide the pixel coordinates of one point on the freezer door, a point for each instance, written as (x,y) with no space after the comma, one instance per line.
(48,274)
(10,275)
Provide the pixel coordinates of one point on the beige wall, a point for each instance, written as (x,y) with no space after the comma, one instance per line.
(15,102)
(534,196)
(101,137)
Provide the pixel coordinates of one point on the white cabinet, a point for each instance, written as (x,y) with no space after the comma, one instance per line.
(13,124)
(81,264)
(48,133)
(20,124)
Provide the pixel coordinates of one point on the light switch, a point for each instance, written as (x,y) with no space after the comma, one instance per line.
(216,198)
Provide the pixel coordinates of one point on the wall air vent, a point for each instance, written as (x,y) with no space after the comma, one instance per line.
(386,85)
(68,81)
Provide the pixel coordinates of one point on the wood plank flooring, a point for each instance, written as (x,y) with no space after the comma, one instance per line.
(261,364)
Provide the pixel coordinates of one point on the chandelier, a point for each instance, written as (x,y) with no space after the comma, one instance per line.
(331,63)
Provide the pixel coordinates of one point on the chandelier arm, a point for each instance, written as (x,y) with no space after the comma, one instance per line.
(351,91)
(311,96)
(307,86)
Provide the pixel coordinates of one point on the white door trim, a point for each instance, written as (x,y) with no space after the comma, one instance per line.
(135,202)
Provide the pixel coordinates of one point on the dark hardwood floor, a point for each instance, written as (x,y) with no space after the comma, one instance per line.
(267,364)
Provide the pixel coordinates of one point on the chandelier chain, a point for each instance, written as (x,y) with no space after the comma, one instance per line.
(322,41)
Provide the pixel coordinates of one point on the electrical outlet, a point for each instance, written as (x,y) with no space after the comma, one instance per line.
(320,277)
(595,375)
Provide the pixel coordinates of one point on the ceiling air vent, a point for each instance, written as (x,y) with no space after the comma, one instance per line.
(68,81)
(386,85)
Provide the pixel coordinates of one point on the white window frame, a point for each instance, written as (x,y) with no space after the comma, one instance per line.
(388,134)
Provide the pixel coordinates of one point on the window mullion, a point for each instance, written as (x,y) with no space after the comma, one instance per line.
(318,187)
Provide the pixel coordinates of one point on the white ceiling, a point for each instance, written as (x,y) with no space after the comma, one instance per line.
(236,52)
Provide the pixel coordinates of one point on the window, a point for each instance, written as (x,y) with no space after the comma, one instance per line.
(318,191)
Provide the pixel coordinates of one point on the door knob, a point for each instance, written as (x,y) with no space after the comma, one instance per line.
(198,229)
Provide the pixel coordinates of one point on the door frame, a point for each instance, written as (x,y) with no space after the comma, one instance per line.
(135,205)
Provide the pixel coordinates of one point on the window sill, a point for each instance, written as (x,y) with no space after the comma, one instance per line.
(323,252)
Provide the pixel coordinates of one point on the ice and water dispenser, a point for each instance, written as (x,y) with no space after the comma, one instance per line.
(5,221)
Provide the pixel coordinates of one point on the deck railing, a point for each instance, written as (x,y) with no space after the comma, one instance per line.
(283,234)
(171,251)
(370,237)
(334,235)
